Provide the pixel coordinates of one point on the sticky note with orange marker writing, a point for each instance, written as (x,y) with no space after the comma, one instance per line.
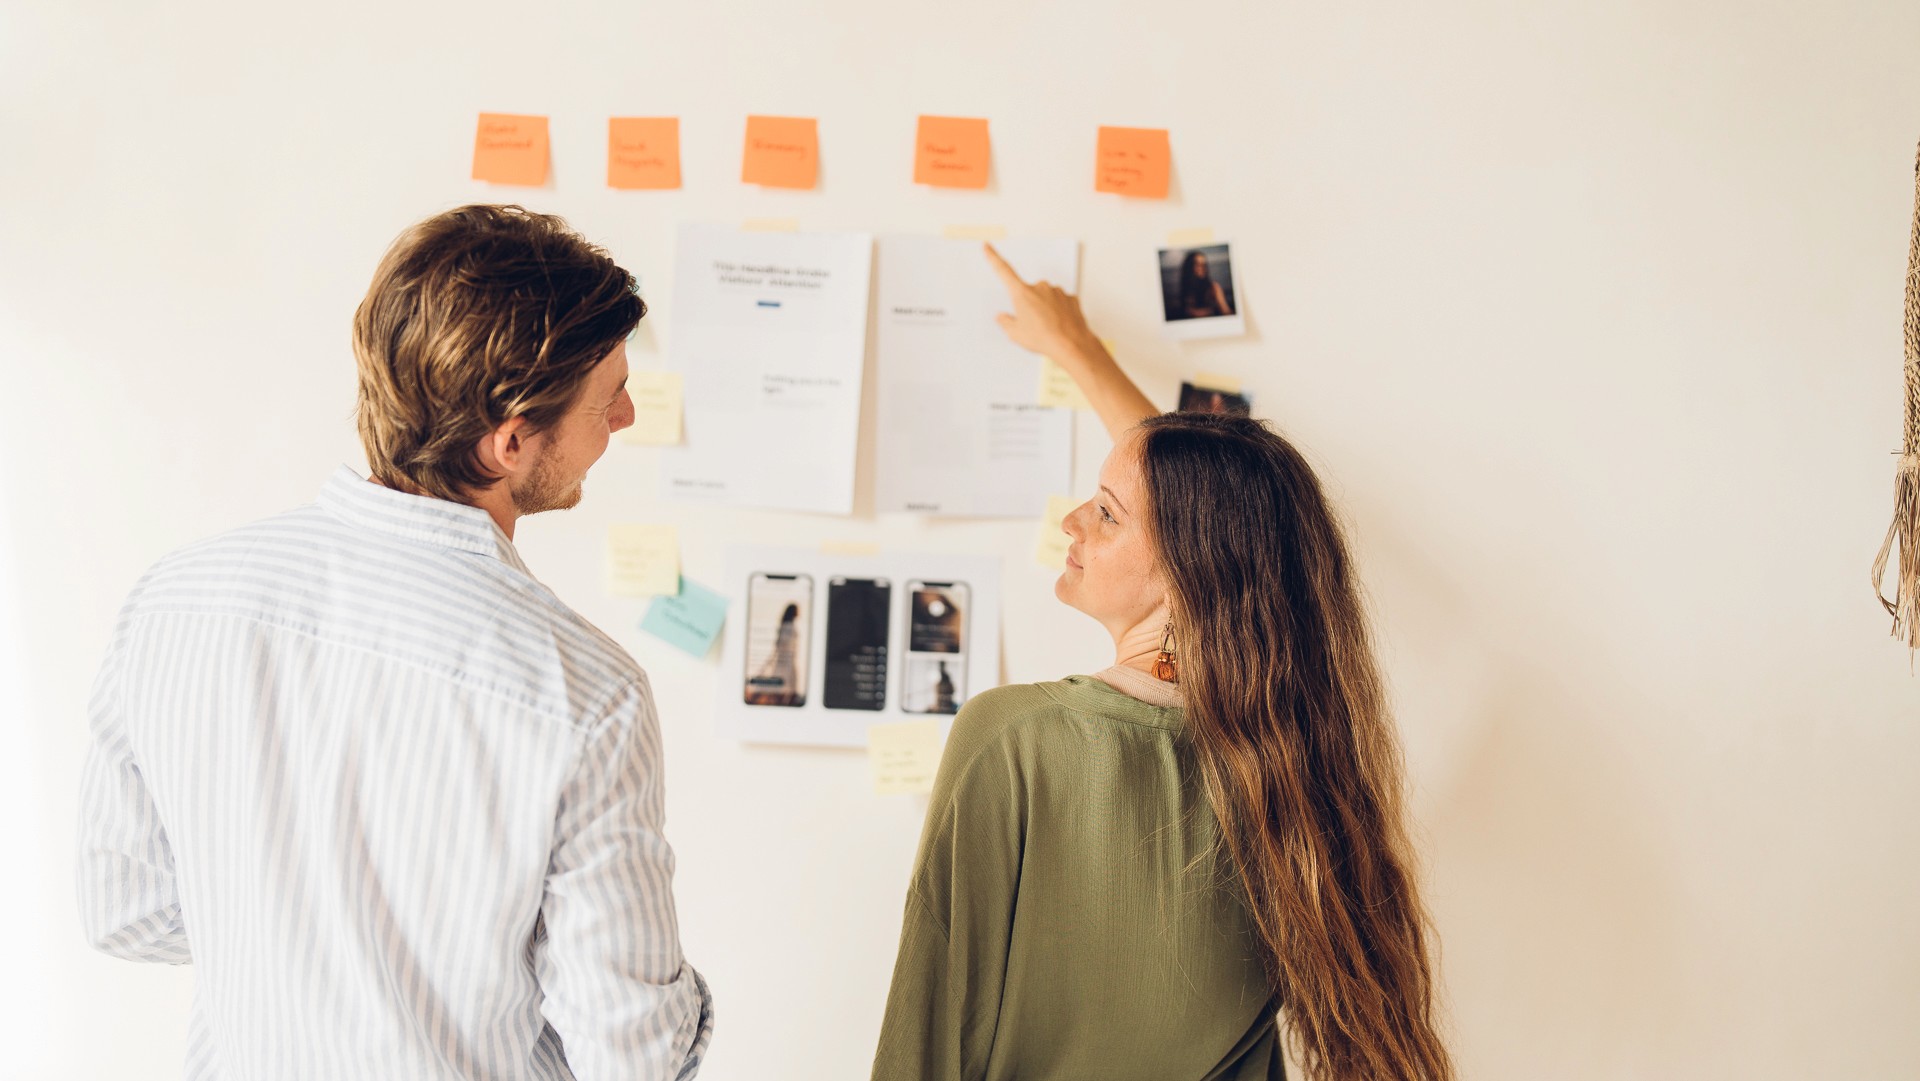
(951,152)
(1133,161)
(781,152)
(643,152)
(511,149)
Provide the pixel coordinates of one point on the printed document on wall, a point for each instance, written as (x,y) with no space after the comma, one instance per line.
(770,330)
(959,431)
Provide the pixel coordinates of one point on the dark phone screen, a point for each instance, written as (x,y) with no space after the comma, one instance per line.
(857,643)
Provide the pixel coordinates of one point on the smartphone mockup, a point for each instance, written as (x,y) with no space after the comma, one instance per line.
(935,679)
(779,633)
(857,617)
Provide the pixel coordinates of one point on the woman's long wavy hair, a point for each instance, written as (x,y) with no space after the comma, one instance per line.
(1297,754)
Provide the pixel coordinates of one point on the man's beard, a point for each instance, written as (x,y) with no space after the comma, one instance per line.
(545,489)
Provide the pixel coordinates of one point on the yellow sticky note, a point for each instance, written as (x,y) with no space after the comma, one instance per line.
(1050,548)
(1057,388)
(1215,381)
(643,560)
(849,548)
(1190,238)
(771,225)
(656,408)
(975,232)
(904,756)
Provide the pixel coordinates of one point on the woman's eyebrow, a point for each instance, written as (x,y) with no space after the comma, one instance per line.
(1115,498)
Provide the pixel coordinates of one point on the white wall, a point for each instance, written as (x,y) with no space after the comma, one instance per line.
(1591,318)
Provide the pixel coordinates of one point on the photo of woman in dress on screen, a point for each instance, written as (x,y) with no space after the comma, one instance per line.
(778,683)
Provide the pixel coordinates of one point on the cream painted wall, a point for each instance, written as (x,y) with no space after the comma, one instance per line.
(1589,314)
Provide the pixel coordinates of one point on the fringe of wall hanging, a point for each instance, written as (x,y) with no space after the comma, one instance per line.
(1904,533)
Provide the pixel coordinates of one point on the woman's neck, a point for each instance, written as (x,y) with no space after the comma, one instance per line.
(1138,647)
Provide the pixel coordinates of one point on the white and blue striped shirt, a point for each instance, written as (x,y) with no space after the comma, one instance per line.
(399,806)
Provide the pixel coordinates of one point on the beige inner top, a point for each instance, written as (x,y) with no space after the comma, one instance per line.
(1137,684)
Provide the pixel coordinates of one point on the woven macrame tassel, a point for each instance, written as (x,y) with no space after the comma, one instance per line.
(1904,533)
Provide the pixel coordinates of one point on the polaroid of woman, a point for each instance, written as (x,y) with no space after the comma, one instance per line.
(1197,292)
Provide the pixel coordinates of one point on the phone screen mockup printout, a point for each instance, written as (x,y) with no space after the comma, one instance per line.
(856,676)
(935,677)
(779,629)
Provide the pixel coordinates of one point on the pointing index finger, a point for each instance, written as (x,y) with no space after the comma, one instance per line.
(1001,267)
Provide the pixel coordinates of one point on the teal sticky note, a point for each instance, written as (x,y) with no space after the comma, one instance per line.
(690,620)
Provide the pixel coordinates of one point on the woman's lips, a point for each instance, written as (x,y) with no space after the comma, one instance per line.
(1072,562)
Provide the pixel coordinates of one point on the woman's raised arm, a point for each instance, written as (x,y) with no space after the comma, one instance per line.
(1047,320)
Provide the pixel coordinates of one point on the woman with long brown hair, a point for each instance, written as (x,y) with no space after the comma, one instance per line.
(1170,868)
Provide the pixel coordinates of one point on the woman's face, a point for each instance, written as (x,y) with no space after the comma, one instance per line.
(1199,264)
(1111,573)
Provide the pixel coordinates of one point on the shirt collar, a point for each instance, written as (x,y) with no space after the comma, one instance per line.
(366,505)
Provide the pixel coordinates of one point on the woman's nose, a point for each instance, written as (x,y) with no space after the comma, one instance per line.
(1071,524)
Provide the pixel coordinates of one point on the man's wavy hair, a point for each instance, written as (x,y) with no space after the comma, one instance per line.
(477,316)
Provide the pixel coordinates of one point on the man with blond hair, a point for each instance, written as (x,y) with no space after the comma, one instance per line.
(398,804)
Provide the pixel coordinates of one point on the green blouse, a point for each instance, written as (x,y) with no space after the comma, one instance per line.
(1069,916)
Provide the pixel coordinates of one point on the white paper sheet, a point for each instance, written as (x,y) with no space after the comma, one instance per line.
(807,581)
(960,433)
(770,330)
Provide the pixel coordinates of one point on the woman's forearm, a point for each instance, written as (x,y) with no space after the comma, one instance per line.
(1113,396)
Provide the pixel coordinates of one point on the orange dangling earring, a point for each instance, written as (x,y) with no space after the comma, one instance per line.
(1165,669)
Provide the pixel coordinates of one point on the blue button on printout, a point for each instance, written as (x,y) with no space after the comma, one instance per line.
(689,621)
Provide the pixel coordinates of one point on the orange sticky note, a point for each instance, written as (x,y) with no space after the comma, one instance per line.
(781,152)
(643,152)
(951,152)
(510,149)
(1133,161)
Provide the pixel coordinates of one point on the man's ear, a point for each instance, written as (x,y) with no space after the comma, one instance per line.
(504,450)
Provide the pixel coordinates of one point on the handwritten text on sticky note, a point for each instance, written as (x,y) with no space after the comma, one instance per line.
(951,152)
(1133,161)
(904,756)
(657,397)
(1050,548)
(1057,388)
(689,621)
(781,152)
(510,149)
(643,152)
(642,560)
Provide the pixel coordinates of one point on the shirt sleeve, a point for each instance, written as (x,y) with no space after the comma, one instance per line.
(944,1006)
(129,903)
(617,990)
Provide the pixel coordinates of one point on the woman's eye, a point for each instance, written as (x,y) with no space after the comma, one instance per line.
(1105,517)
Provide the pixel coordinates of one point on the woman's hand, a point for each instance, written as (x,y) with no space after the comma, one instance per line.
(1045,318)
